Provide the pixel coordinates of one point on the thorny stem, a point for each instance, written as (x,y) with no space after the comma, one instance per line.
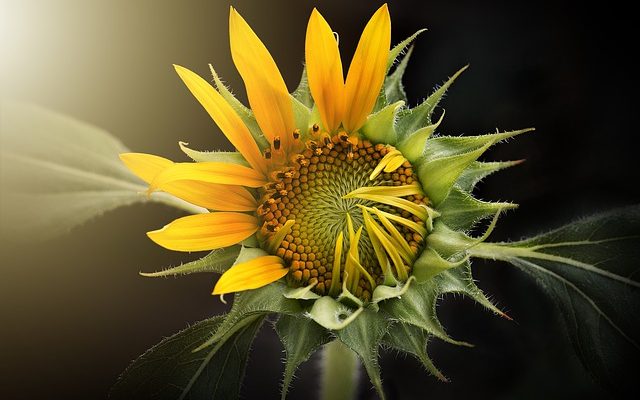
(340,372)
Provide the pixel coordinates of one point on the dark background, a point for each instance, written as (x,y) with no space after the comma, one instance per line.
(75,312)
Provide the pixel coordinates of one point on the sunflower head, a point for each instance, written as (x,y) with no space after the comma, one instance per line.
(342,211)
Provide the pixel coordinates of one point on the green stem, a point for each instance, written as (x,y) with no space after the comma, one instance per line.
(340,372)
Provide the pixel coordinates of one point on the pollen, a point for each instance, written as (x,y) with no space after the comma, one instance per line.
(345,213)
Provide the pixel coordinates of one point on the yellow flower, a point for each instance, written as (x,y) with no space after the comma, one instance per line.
(332,210)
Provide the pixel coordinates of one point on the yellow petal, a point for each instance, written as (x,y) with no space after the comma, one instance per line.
(205,231)
(324,71)
(213,196)
(252,274)
(210,172)
(224,116)
(145,166)
(266,90)
(367,70)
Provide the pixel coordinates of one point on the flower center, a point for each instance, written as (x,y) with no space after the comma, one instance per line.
(332,191)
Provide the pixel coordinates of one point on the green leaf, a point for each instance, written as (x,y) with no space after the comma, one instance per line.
(301,337)
(58,173)
(364,336)
(230,157)
(590,269)
(478,170)
(171,369)
(461,211)
(393,88)
(413,340)
(217,261)
(411,120)
(254,303)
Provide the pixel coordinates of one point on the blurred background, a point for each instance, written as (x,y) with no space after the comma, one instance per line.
(74,310)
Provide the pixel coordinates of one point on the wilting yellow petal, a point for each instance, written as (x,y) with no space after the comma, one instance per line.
(224,116)
(145,166)
(367,70)
(205,231)
(252,274)
(324,71)
(266,90)
(210,172)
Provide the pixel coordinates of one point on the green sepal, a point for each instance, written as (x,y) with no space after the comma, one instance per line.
(255,303)
(410,339)
(229,157)
(418,307)
(437,176)
(393,88)
(410,120)
(303,92)
(445,146)
(461,211)
(364,336)
(400,47)
(478,170)
(217,261)
(301,115)
(446,157)
(430,264)
(172,370)
(301,337)
(245,114)
(447,241)
(380,127)
(384,292)
(301,293)
(413,145)
(249,253)
(460,280)
(332,314)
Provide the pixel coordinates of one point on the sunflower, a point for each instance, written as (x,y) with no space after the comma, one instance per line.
(328,205)
(341,208)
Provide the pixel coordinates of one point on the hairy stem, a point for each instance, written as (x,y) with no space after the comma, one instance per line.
(340,372)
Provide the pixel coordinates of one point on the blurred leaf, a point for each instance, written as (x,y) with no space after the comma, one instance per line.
(171,369)
(590,269)
(58,172)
